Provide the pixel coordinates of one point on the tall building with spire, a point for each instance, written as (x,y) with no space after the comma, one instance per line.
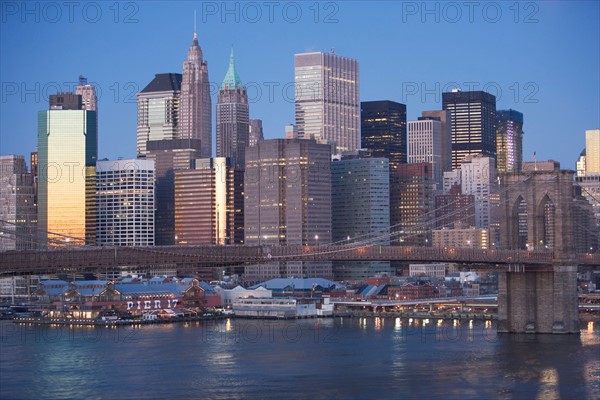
(232,117)
(195,103)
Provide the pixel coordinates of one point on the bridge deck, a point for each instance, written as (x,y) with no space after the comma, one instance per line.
(86,258)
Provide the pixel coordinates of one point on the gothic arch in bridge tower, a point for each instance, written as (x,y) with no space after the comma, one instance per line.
(541,205)
(544,224)
(517,224)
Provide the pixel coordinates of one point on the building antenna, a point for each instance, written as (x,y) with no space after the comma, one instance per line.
(195,36)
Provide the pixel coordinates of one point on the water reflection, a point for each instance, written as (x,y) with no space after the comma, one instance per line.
(334,358)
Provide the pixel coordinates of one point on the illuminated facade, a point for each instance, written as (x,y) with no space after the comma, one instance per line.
(67,153)
(33,162)
(509,140)
(383,129)
(125,203)
(327,104)
(195,108)
(454,208)
(592,152)
(472,123)
(360,211)
(287,201)
(461,237)
(158,110)
(209,203)
(17,207)
(232,117)
(412,197)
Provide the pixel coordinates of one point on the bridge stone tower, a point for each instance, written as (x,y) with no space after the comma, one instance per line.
(538,213)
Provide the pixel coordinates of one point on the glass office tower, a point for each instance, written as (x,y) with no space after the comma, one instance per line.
(509,140)
(472,123)
(383,129)
(67,153)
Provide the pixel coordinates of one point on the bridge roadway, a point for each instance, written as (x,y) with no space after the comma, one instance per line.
(88,258)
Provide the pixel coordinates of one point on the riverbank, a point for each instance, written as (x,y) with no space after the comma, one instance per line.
(584,318)
(110,322)
(417,315)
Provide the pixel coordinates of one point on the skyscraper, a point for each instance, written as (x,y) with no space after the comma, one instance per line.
(383,129)
(425,139)
(209,203)
(89,100)
(33,162)
(444,117)
(472,122)
(287,201)
(580,164)
(590,189)
(360,211)
(478,177)
(158,111)
(509,140)
(327,100)
(195,107)
(255,132)
(588,176)
(67,154)
(17,208)
(125,203)
(412,198)
(232,117)
(169,156)
(592,151)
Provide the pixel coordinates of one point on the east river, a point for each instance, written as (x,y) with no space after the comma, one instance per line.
(357,358)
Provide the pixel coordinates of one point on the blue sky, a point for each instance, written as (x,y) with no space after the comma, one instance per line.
(540,58)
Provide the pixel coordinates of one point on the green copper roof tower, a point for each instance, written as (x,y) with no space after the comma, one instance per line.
(232,117)
(232,79)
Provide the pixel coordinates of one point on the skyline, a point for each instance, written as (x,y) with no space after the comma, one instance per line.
(542,68)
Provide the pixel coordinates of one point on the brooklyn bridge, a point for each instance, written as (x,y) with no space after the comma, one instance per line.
(537,286)
(82,259)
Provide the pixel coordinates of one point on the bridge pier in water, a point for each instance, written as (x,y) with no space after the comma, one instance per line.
(538,300)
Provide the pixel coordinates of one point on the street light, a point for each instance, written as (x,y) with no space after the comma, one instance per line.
(349,240)
(317,239)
